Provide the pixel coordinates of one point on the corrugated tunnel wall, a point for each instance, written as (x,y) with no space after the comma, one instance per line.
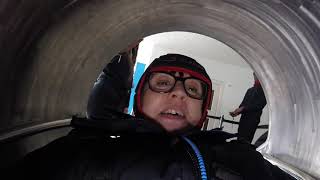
(51,52)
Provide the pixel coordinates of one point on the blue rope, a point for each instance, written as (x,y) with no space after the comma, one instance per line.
(202,167)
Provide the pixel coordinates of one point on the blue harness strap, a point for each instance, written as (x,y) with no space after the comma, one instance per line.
(201,164)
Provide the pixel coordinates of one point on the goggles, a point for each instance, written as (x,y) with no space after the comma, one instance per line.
(164,82)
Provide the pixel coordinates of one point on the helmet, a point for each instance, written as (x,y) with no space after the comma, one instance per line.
(178,63)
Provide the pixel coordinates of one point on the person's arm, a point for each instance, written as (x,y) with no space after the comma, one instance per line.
(236,112)
(111,91)
(241,107)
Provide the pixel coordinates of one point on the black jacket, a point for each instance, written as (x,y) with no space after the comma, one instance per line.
(111,89)
(253,102)
(93,151)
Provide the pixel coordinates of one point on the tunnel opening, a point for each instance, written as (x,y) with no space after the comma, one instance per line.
(229,72)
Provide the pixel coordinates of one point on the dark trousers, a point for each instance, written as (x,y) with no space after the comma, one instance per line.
(247,128)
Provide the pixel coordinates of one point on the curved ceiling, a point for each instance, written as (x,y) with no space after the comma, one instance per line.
(47,71)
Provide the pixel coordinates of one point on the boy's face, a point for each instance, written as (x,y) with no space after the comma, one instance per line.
(173,110)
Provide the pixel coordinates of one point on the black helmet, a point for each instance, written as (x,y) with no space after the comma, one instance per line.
(179,63)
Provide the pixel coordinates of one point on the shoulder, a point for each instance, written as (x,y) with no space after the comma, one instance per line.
(225,158)
(243,158)
(251,89)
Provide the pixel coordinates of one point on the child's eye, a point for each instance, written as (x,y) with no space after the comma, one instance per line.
(163,83)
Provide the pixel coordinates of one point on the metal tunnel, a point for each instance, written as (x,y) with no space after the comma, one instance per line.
(52,50)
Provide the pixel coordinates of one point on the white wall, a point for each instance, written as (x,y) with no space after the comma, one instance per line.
(221,62)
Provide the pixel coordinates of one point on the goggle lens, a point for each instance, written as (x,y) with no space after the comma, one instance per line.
(165,82)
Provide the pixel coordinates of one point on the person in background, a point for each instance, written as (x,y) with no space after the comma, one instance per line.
(250,109)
